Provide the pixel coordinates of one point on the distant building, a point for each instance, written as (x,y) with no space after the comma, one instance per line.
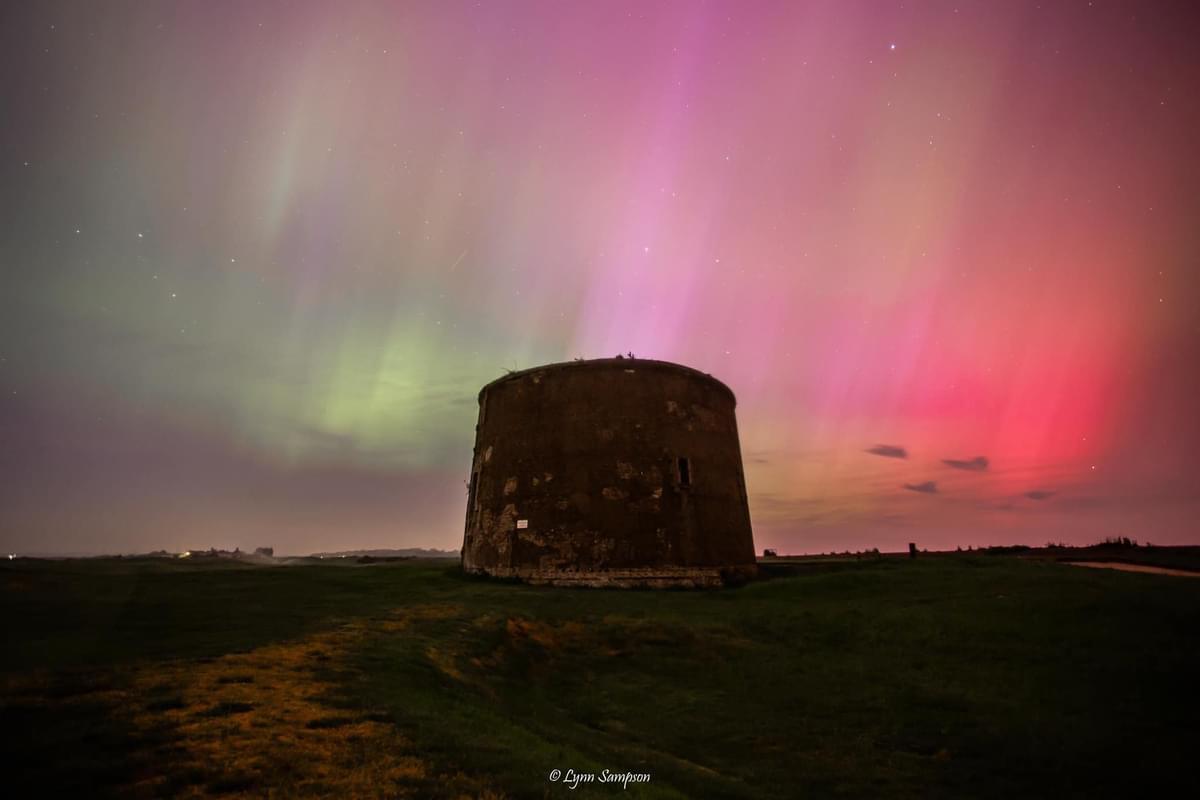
(614,471)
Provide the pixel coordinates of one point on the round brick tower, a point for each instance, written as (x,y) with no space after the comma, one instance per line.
(615,471)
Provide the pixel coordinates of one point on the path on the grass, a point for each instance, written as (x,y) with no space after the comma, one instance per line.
(1124,567)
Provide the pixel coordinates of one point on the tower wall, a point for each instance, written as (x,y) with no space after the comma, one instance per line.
(608,472)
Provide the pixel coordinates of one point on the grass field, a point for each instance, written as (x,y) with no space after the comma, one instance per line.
(956,676)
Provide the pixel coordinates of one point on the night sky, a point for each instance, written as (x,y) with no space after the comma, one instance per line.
(257,259)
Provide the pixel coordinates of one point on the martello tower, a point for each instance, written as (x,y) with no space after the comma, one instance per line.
(608,472)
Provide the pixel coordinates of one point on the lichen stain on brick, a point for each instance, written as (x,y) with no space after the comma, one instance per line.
(649,503)
(647,478)
(508,518)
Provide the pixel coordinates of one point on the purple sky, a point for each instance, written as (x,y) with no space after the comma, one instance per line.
(258,258)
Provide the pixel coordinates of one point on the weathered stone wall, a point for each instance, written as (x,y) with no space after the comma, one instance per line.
(577,477)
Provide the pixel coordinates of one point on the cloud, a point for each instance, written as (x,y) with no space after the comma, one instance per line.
(1039,494)
(888,451)
(976,464)
(928,487)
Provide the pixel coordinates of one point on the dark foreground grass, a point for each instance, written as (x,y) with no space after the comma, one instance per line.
(946,677)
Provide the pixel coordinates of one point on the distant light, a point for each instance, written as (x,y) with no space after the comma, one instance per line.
(892,46)
(11,556)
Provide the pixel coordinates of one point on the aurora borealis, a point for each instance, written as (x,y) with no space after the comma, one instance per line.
(257,259)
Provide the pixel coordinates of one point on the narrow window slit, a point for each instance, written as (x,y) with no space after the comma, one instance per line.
(685,472)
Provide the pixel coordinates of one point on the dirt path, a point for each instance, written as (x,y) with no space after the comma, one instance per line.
(1125,567)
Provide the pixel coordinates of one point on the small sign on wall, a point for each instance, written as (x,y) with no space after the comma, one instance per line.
(522,523)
